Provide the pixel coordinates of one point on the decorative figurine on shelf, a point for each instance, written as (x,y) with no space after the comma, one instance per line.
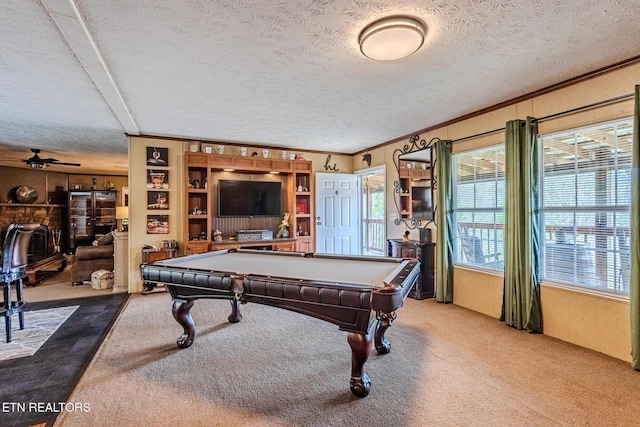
(405,236)
(283,227)
(217,235)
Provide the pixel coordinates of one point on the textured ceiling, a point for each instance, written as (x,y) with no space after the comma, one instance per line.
(77,75)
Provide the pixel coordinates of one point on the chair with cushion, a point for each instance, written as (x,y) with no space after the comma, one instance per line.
(15,253)
(92,258)
(473,252)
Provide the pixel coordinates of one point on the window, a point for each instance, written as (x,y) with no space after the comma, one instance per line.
(586,198)
(479,208)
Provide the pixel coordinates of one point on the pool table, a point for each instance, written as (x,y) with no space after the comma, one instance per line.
(358,294)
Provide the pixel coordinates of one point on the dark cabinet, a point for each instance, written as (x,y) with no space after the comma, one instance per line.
(423,252)
(91,212)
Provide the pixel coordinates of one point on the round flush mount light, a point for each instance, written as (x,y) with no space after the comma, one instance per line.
(391,38)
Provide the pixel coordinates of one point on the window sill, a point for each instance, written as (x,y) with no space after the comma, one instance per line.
(587,291)
(479,269)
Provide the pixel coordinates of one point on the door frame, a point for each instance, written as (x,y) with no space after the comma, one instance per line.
(361,174)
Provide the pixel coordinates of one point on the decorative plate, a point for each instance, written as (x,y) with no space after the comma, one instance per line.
(26,194)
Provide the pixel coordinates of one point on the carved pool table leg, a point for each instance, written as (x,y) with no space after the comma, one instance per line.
(235,315)
(182,314)
(383,323)
(360,344)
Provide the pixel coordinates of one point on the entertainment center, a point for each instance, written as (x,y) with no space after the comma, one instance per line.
(232,194)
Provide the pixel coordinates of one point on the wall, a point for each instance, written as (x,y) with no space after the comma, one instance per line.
(102,182)
(385,156)
(43,181)
(52,188)
(597,322)
(138,212)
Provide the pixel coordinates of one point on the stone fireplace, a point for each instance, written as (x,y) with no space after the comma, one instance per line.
(50,219)
(45,258)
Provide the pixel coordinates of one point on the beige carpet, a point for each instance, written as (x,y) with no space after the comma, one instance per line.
(59,287)
(448,367)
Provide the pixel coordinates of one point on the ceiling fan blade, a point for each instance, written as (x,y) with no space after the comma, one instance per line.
(38,162)
(63,163)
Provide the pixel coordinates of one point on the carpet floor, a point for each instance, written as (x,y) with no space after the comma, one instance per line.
(33,386)
(448,366)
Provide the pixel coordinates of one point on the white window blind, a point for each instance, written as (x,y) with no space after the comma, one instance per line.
(479,208)
(586,196)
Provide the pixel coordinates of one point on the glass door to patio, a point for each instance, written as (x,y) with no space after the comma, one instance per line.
(373,213)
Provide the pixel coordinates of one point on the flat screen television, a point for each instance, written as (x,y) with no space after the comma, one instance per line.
(249,198)
(421,203)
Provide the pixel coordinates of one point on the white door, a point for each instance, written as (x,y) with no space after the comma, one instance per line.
(337,214)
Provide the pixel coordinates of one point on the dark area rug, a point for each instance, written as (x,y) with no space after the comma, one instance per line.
(35,389)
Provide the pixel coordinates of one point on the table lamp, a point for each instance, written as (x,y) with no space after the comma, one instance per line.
(122,213)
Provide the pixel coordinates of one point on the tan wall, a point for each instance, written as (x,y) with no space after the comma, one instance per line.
(103,182)
(43,181)
(597,322)
(478,291)
(138,212)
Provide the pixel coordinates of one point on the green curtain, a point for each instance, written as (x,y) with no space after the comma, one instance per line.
(521,296)
(445,221)
(634,291)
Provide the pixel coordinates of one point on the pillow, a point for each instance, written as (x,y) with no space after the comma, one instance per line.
(107,239)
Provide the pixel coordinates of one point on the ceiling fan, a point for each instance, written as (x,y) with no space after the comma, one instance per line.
(37,162)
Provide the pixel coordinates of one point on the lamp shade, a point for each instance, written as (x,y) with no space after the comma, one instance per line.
(391,38)
(122,212)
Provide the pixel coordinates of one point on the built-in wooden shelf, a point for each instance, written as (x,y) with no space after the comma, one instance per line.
(250,164)
(204,168)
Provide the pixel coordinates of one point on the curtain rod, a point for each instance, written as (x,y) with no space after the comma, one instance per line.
(553,116)
(589,106)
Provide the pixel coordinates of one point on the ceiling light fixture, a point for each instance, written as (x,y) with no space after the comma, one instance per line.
(391,38)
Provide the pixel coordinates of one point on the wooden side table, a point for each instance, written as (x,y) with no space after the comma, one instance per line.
(153,255)
(150,255)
